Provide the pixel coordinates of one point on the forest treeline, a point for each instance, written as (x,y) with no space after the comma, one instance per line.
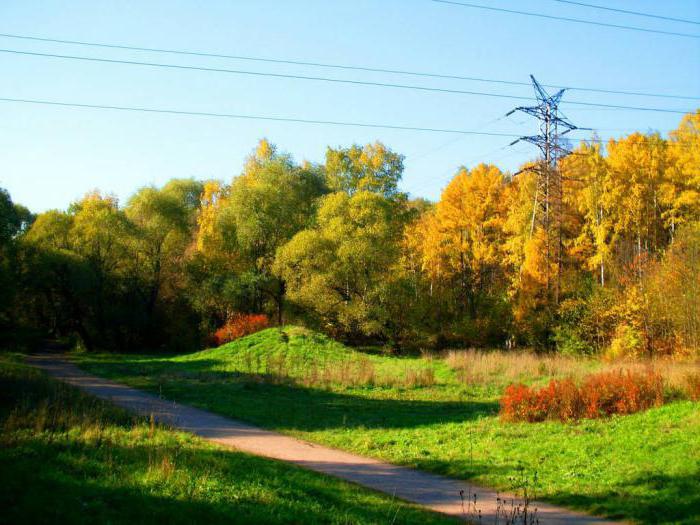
(338,247)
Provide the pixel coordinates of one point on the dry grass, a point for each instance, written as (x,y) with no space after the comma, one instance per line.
(355,372)
(478,367)
(359,372)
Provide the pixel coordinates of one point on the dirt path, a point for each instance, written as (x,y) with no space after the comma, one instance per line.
(435,492)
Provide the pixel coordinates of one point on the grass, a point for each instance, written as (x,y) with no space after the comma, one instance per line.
(643,467)
(66,457)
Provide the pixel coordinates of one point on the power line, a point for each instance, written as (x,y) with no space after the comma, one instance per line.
(453,170)
(566,19)
(455,139)
(237,116)
(251,117)
(338,66)
(327,79)
(262,74)
(637,13)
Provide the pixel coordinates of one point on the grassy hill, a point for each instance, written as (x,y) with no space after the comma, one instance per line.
(440,414)
(66,457)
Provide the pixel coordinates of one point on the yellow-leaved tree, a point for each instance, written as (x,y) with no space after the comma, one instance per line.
(458,246)
(586,182)
(637,166)
(680,192)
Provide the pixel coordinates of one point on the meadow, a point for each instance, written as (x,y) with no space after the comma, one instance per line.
(66,457)
(440,413)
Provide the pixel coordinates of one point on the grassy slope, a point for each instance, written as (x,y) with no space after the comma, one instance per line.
(68,458)
(645,467)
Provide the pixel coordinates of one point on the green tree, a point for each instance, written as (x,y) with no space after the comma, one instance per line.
(14,219)
(163,222)
(372,167)
(341,268)
(270,202)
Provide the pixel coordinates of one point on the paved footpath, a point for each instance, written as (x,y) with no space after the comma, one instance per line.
(435,492)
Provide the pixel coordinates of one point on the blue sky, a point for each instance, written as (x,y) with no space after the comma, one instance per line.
(51,156)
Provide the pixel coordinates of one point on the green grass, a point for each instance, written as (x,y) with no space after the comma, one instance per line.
(66,457)
(644,467)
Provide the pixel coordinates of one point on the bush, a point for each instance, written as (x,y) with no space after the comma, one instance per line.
(239,325)
(599,395)
(693,386)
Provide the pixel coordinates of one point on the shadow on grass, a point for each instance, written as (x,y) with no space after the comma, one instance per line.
(282,404)
(66,457)
(78,482)
(653,499)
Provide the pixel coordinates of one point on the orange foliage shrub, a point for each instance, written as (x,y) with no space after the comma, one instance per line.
(693,386)
(600,395)
(239,325)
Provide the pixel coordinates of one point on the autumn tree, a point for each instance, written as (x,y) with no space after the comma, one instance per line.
(680,191)
(587,190)
(338,245)
(637,164)
(460,249)
(673,288)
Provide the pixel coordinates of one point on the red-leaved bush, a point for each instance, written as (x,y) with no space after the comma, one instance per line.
(599,395)
(239,325)
(693,386)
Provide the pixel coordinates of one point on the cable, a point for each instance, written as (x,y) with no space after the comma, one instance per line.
(339,66)
(251,117)
(566,19)
(452,171)
(327,79)
(268,118)
(453,140)
(637,13)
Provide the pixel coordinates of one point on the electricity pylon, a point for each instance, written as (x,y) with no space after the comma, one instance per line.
(547,211)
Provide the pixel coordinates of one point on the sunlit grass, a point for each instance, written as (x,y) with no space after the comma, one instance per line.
(66,457)
(644,466)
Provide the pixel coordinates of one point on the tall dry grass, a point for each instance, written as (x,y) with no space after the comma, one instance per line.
(355,372)
(495,367)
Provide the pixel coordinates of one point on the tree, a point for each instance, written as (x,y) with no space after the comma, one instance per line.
(163,223)
(672,287)
(460,248)
(14,219)
(587,189)
(372,167)
(680,191)
(637,165)
(268,204)
(470,218)
(341,267)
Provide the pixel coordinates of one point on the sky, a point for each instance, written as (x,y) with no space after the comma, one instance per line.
(51,156)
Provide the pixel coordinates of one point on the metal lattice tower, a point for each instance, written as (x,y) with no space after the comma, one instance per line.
(547,211)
